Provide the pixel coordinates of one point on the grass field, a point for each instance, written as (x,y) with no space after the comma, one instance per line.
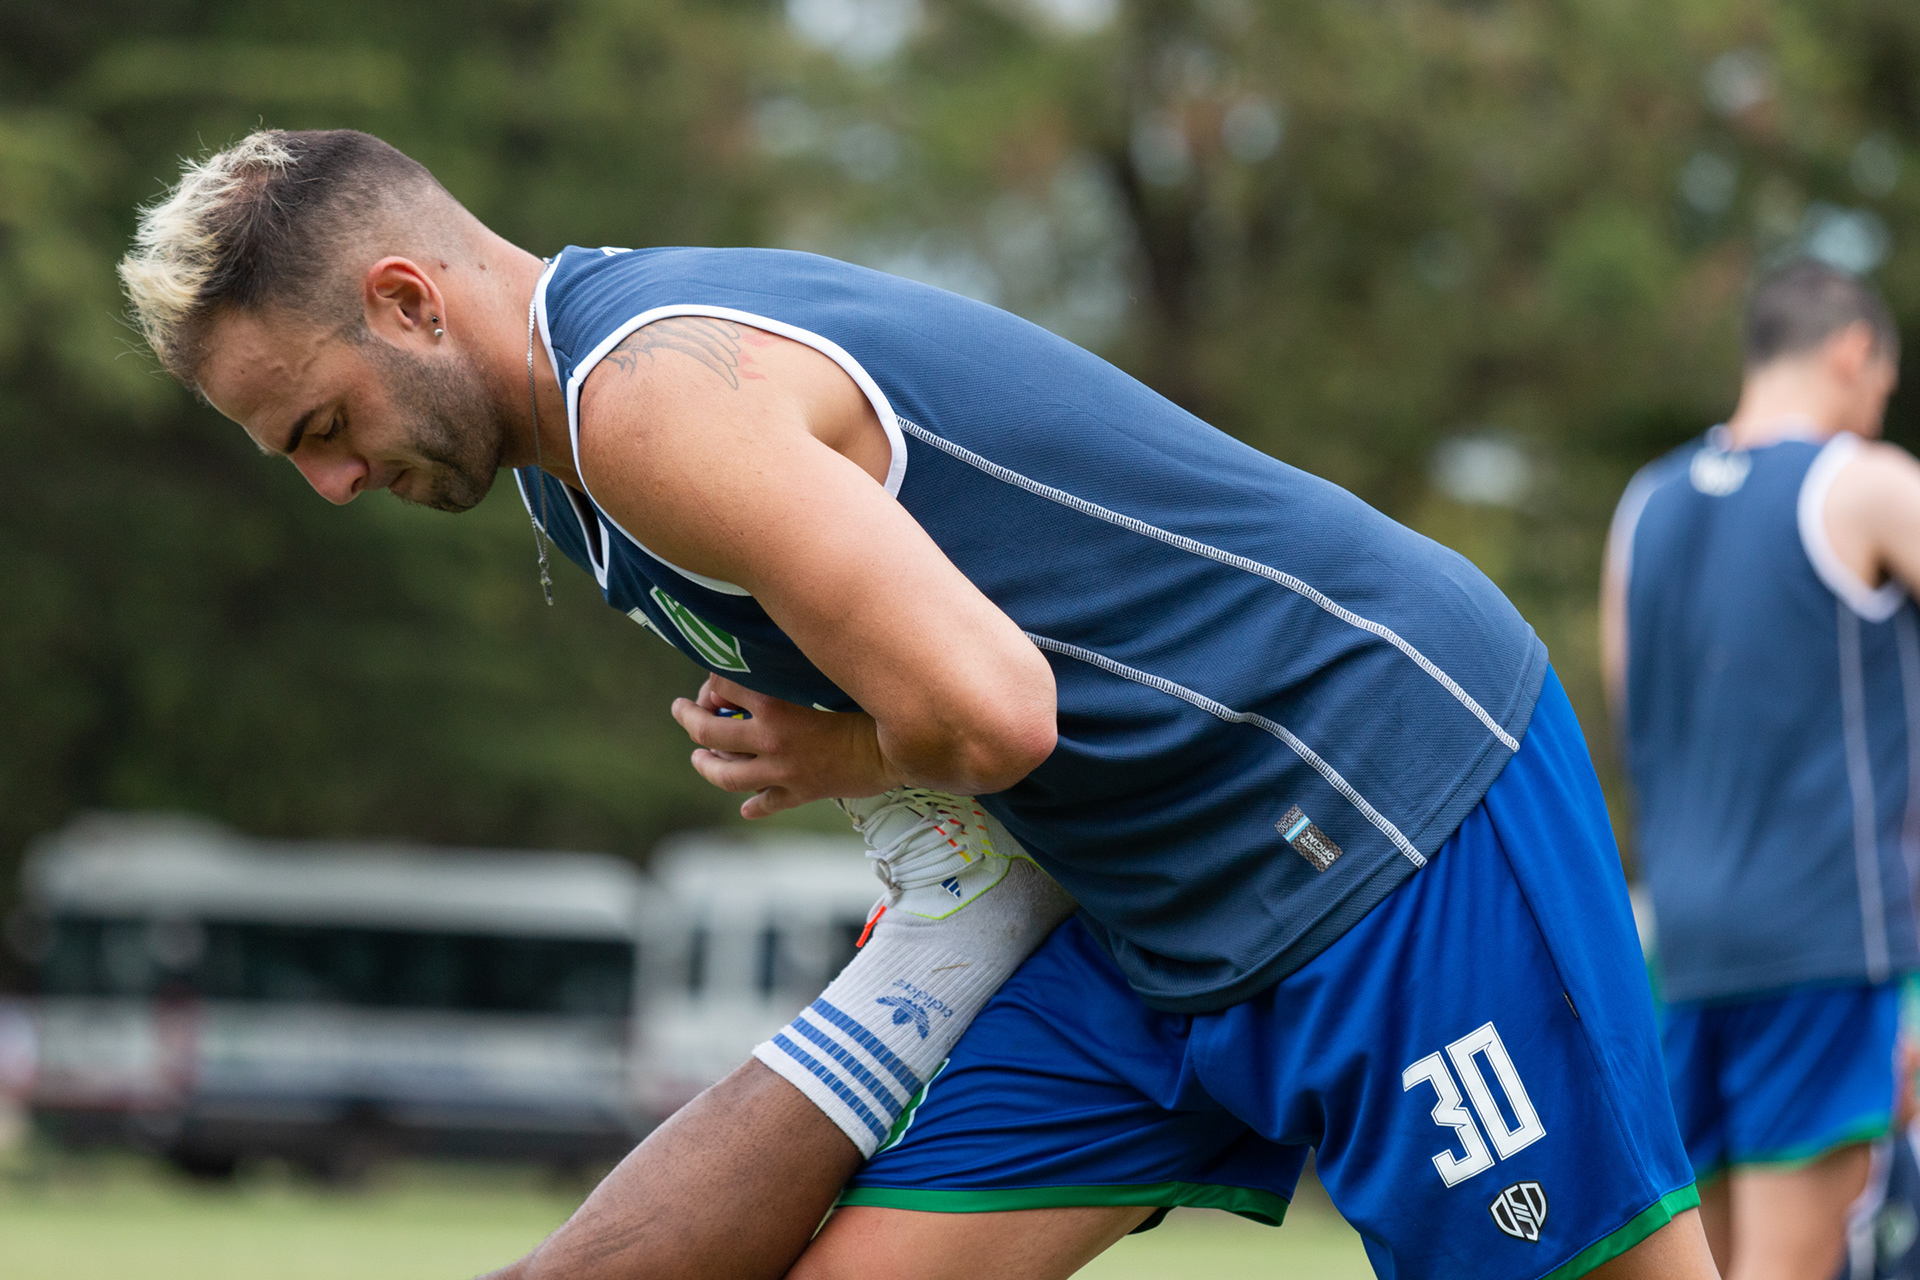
(123,1219)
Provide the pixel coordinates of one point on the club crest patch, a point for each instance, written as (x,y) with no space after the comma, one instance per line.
(1520,1211)
(1718,474)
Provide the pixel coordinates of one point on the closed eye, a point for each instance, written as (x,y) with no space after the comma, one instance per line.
(335,425)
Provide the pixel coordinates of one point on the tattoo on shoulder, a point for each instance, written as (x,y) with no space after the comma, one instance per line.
(714,343)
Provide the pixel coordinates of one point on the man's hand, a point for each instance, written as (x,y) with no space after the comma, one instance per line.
(785,754)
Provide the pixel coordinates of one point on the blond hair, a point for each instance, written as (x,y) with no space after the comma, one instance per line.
(260,223)
(182,236)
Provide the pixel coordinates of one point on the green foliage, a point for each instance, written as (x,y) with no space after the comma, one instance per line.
(1346,232)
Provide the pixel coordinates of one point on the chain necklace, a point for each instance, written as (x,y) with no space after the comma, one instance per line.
(539,471)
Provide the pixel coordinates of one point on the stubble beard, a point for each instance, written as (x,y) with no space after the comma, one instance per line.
(452,426)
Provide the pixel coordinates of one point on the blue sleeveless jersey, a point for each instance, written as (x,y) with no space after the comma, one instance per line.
(1274,702)
(1772,700)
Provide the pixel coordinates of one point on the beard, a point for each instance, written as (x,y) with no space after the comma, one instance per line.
(451,424)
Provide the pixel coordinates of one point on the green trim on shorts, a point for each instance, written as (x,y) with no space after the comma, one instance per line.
(1870,1129)
(1638,1228)
(1263,1207)
(905,1122)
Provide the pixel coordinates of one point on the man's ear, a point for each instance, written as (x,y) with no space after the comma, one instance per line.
(403,304)
(1851,350)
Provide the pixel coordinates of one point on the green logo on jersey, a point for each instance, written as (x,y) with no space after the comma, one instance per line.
(716,648)
(639,615)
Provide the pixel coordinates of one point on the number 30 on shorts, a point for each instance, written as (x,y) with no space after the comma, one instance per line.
(1448,1113)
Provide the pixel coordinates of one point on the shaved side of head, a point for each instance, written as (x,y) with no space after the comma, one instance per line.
(1798,307)
(280,221)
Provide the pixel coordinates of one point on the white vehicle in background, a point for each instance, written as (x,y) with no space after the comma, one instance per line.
(218,999)
(758,931)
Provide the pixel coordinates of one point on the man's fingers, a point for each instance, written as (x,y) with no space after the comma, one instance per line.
(769,802)
(733,774)
(722,733)
(737,695)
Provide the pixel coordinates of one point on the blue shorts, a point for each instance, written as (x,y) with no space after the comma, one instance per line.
(1475,1063)
(1784,1079)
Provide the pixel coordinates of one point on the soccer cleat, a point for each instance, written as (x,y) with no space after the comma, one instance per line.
(934,852)
(884,1027)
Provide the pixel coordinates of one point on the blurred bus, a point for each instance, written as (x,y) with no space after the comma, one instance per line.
(758,930)
(219,999)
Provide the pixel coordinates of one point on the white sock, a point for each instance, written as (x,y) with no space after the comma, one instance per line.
(880,1030)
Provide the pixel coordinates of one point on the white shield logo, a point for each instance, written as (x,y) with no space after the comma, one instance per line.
(1520,1211)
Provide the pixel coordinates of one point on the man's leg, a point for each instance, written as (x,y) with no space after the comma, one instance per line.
(732,1185)
(736,1182)
(1677,1251)
(1051,1244)
(1792,1224)
(860,1242)
(1716,1217)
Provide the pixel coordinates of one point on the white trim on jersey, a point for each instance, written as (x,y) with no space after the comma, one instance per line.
(1626,523)
(1870,603)
(1866,840)
(1312,758)
(897,463)
(1206,551)
(1620,534)
(597,560)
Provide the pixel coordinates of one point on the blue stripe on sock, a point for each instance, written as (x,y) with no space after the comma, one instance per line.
(871,1043)
(834,1083)
(852,1065)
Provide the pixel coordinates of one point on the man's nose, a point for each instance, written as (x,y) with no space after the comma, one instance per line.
(337,477)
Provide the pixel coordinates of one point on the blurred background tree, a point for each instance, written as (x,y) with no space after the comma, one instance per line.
(1475,260)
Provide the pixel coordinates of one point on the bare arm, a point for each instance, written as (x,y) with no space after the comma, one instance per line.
(1613,639)
(732,453)
(1873,516)
(1616,560)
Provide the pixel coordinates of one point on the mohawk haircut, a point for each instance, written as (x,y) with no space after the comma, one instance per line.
(261,224)
(1800,306)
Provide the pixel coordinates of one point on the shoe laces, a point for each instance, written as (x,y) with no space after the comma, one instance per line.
(913,836)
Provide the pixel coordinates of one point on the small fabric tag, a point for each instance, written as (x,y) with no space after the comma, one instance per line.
(1309,841)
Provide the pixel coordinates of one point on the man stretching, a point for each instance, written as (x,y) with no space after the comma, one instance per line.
(1761,648)
(1344,875)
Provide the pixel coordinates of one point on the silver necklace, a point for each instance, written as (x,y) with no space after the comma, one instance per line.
(539,471)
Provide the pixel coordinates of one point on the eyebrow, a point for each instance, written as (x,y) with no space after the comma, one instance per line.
(299,430)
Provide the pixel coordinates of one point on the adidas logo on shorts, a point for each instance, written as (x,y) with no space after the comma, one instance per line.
(1520,1211)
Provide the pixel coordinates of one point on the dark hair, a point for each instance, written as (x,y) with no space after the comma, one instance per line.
(1801,305)
(261,224)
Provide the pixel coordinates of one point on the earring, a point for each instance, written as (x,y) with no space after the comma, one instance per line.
(439,333)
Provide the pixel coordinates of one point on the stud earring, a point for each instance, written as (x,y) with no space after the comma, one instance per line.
(439,333)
